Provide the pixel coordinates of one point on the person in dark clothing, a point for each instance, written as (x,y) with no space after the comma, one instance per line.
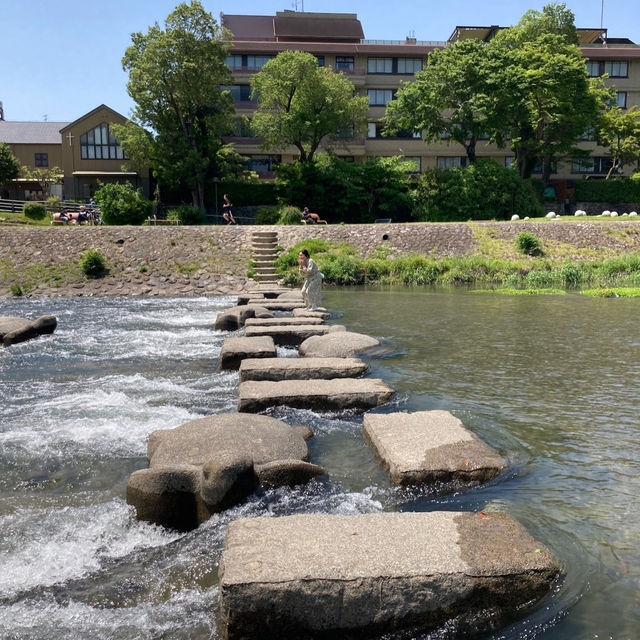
(227,214)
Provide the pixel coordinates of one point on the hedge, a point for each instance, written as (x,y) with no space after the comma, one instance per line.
(616,190)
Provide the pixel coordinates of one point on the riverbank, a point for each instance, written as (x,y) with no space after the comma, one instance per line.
(213,260)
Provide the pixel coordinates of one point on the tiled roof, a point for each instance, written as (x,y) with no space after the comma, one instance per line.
(31,132)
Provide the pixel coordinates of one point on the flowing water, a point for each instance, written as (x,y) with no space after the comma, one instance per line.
(550,382)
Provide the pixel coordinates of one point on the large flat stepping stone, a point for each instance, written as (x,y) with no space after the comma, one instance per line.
(360,576)
(307,313)
(275,305)
(337,345)
(323,395)
(292,335)
(430,446)
(280,321)
(300,368)
(234,350)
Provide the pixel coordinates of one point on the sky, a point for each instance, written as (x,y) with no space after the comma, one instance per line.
(59,59)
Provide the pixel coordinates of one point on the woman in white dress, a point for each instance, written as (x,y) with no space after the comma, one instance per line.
(312,287)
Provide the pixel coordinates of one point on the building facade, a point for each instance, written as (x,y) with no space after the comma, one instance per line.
(378,68)
(85,151)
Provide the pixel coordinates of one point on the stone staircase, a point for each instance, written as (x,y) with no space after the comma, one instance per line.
(263,246)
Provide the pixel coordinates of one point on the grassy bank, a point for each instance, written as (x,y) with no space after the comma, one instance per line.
(496,266)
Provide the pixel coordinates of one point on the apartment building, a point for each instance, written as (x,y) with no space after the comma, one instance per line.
(378,67)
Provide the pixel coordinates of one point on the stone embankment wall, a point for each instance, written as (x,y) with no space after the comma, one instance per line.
(213,260)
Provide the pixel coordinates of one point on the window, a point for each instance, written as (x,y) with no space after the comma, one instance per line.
(101,144)
(320,60)
(242,128)
(594,165)
(593,68)
(262,164)
(538,167)
(346,133)
(621,99)
(239,92)
(589,135)
(409,65)
(234,62)
(239,62)
(509,161)
(405,66)
(344,63)
(42,160)
(379,97)
(411,164)
(616,69)
(376,129)
(380,65)
(451,162)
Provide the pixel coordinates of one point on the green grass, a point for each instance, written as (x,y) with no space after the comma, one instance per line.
(615,292)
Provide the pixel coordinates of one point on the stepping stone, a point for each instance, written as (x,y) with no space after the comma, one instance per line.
(300,368)
(274,305)
(292,335)
(430,446)
(323,395)
(337,345)
(306,313)
(234,318)
(234,350)
(14,329)
(314,575)
(278,321)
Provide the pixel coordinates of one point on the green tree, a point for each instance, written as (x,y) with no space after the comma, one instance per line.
(44,176)
(620,131)
(9,165)
(302,104)
(447,99)
(176,76)
(542,97)
(122,204)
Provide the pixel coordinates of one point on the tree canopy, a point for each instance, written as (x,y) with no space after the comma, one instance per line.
(9,165)
(526,88)
(302,104)
(181,112)
(447,99)
(620,131)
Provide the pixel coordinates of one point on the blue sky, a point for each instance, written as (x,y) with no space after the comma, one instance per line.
(62,58)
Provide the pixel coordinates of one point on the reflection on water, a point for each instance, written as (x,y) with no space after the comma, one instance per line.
(551,382)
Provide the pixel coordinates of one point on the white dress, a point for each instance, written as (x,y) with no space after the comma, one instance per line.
(312,287)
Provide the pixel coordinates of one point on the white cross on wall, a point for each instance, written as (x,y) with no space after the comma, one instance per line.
(70,137)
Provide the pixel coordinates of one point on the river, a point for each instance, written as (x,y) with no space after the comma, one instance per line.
(551,382)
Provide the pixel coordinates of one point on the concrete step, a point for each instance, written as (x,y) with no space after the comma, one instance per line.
(277,369)
(291,335)
(321,395)
(371,574)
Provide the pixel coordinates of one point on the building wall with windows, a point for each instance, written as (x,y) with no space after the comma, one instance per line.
(85,150)
(378,68)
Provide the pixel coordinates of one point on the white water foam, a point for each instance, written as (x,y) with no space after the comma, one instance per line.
(46,547)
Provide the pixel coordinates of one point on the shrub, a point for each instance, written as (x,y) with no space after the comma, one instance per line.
(529,244)
(16,290)
(187,214)
(289,215)
(93,263)
(267,215)
(482,191)
(615,190)
(34,210)
(53,203)
(571,275)
(122,204)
